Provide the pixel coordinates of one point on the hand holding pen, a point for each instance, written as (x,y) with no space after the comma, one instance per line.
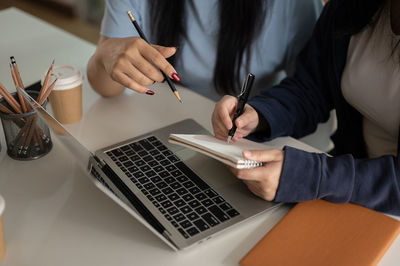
(163,64)
(242,100)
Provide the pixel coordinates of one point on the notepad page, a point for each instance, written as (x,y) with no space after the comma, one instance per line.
(231,150)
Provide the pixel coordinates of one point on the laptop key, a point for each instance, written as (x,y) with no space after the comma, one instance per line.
(152,163)
(186,209)
(151,139)
(201,196)
(201,210)
(201,225)
(130,153)
(166,204)
(149,186)
(133,169)
(176,185)
(210,219)
(154,152)
(145,168)
(138,174)
(134,157)
(179,203)
(169,180)
(172,210)
(170,167)
(160,197)
(185,235)
(162,210)
(164,174)
(233,213)
(150,173)
(125,148)
(155,191)
(143,180)
(194,190)
(156,179)
(128,164)
(182,178)
(158,168)
(192,216)
(147,158)
(192,176)
(142,153)
(165,162)
(185,224)
(218,200)
(162,148)
(173,158)
(123,158)
(194,204)
(181,191)
(161,185)
(173,196)
(156,143)
(147,145)
(218,213)
(140,163)
(167,190)
(169,218)
(159,157)
(225,206)
(117,152)
(207,202)
(192,231)
(187,197)
(179,217)
(136,147)
(188,184)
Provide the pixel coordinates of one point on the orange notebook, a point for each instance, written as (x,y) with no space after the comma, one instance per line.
(323,233)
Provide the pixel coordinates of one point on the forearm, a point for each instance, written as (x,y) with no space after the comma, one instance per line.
(373,183)
(100,80)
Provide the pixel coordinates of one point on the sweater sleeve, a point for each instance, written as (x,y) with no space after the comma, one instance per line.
(373,183)
(296,105)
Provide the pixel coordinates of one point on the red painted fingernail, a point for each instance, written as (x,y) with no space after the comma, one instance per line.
(175,77)
(150,92)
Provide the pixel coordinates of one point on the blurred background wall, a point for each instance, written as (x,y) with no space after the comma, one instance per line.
(79,17)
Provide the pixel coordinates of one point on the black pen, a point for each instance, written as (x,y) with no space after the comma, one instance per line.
(141,34)
(242,99)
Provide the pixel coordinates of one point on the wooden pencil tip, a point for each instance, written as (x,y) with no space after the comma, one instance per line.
(177,96)
(131,17)
(53,61)
(12,60)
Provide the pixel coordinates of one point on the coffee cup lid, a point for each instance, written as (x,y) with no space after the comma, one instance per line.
(67,77)
(2,205)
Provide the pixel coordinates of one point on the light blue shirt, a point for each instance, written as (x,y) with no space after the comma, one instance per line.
(287,26)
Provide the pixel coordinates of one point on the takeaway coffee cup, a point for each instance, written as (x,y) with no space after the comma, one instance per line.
(66,96)
(2,242)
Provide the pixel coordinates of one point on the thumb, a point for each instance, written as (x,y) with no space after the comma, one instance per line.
(264,155)
(165,51)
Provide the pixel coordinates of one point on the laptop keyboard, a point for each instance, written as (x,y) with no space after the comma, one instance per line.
(185,200)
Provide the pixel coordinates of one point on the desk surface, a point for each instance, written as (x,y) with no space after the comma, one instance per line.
(54,215)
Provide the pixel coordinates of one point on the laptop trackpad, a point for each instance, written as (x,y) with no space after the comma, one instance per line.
(213,172)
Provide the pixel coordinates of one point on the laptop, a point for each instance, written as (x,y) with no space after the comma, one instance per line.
(180,195)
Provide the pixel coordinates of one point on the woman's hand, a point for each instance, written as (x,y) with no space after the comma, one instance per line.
(262,181)
(129,62)
(222,119)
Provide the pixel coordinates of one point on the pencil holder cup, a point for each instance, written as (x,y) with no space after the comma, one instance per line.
(27,136)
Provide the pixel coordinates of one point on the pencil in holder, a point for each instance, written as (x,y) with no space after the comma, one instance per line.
(27,136)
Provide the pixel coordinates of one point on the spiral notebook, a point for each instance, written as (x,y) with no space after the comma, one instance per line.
(227,153)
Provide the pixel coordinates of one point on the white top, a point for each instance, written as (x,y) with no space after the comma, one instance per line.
(370,83)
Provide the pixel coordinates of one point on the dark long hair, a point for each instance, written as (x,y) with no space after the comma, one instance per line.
(240,21)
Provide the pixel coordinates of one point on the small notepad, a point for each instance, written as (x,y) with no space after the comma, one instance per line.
(227,153)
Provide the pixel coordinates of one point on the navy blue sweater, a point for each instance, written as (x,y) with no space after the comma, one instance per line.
(299,103)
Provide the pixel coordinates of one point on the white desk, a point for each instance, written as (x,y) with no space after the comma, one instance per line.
(54,215)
